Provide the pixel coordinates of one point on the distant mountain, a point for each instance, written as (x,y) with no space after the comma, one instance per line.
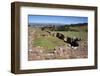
(54,24)
(45,24)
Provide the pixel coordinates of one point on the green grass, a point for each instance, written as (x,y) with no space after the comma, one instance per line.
(48,43)
(80,34)
(80,28)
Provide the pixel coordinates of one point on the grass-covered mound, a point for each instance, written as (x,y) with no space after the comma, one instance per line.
(48,43)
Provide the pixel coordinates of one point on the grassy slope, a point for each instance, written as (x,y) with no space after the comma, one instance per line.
(81,34)
(48,42)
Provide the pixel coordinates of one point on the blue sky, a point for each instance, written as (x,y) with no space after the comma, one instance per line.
(56,19)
